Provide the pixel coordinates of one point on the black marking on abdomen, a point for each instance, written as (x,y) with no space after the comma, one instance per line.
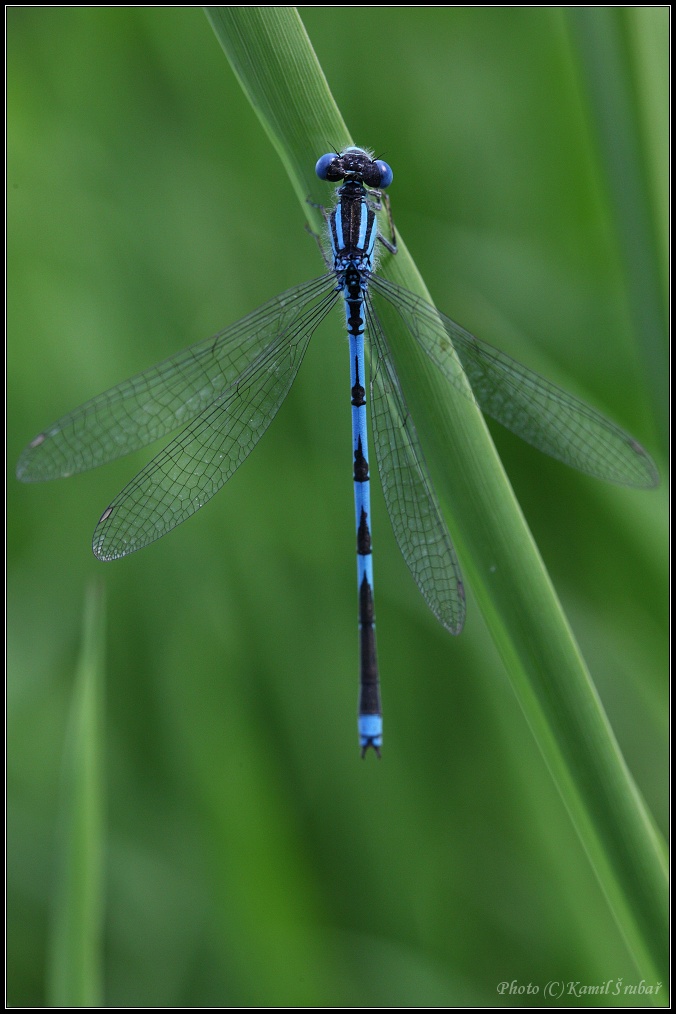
(363,535)
(367,615)
(358,396)
(369,693)
(358,392)
(355,323)
(361,465)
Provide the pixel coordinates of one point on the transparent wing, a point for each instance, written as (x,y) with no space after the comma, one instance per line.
(539,412)
(194,466)
(419,528)
(164,397)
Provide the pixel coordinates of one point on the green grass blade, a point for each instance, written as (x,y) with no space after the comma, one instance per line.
(604,42)
(75,970)
(271,54)
(274,61)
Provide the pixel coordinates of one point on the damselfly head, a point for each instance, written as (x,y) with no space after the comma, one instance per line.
(354,165)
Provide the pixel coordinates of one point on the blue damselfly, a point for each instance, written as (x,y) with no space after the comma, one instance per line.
(225,391)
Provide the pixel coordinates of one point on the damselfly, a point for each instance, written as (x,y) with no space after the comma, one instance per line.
(225,392)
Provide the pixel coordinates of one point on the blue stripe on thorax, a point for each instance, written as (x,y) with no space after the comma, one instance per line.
(364,219)
(336,232)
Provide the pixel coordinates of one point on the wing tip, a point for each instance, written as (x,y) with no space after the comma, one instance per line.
(651,478)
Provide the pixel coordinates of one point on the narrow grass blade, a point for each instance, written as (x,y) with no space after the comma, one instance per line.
(603,36)
(75,968)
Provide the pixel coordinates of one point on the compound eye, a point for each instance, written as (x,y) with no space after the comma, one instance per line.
(386,174)
(328,168)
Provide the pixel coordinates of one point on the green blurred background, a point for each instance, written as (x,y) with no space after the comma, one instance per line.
(248,863)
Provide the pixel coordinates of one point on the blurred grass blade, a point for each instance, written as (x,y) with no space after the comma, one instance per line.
(605,50)
(278,70)
(75,970)
(272,56)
